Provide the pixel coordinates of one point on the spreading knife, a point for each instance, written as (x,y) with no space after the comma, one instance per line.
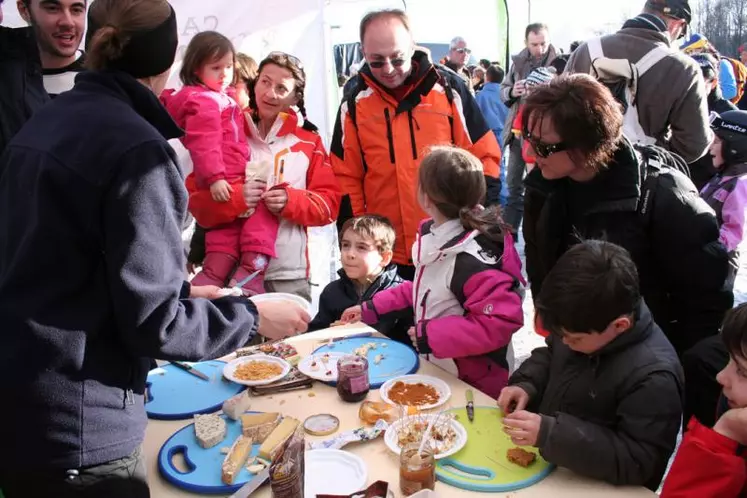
(470,405)
(190,369)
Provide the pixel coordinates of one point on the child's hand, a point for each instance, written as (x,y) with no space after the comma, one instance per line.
(413,337)
(523,427)
(513,398)
(221,191)
(733,424)
(352,314)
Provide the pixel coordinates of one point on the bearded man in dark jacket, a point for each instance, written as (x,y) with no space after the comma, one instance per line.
(590,182)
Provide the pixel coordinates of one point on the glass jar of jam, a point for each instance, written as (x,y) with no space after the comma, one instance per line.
(416,472)
(352,379)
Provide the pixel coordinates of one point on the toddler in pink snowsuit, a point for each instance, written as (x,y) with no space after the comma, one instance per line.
(215,137)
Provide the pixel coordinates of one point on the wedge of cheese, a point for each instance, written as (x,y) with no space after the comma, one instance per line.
(236,458)
(275,440)
(233,407)
(259,425)
(209,430)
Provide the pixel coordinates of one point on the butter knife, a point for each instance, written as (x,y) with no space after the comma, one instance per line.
(252,485)
(470,406)
(190,369)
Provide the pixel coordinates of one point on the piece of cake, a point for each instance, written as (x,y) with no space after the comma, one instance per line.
(277,437)
(259,425)
(233,407)
(236,458)
(209,430)
(521,457)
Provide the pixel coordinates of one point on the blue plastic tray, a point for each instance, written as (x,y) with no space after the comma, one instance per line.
(398,358)
(174,394)
(204,474)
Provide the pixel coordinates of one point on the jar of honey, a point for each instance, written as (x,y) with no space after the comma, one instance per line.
(352,379)
(416,471)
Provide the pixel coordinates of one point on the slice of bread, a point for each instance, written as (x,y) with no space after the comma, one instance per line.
(521,457)
(236,458)
(209,430)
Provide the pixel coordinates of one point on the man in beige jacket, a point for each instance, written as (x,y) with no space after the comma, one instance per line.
(671,97)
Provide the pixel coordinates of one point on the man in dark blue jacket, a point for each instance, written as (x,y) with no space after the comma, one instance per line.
(92,271)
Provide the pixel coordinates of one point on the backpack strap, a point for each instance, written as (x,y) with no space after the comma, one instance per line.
(595,49)
(650,169)
(449,98)
(351,101)
(652,58)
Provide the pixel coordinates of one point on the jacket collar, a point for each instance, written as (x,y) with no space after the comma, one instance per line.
(124,87)
(643,328)
(385,279)
(734,170)
(286,123)
(650,35)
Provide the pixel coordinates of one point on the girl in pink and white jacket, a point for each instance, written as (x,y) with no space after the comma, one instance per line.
(468,287)
(215,136)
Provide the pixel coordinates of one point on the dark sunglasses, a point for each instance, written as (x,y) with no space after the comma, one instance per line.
(542,149)
(399,62)
(463,50)
(290,58)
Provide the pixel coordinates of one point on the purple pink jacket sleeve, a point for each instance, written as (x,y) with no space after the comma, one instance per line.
(707,464)
(203,138)
(387,301)
(492,314)
(733,216)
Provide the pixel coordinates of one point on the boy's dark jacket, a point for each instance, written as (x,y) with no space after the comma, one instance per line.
(613,415)
(342,294)
(92,276)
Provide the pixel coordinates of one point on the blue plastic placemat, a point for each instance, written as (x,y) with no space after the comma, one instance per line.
(204,475)
(398,359)
(174,394)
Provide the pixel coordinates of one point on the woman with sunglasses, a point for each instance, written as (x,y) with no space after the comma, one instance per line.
(591,183)
(300,187)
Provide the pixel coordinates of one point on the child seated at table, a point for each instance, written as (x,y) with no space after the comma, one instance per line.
(468,289)
(604,397)
(366,245)
(711,462)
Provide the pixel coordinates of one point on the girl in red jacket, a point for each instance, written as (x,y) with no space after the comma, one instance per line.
(215,137)
(711,462)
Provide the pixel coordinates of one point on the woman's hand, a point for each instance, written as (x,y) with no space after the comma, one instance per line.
(206,291)
(221,191)
(281,319)
(275,199)
(253,190)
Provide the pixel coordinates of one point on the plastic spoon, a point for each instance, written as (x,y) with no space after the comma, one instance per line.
(417,459)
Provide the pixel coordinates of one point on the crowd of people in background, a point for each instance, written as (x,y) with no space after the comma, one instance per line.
(620,166)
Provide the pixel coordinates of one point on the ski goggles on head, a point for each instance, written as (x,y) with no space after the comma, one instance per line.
(717,123)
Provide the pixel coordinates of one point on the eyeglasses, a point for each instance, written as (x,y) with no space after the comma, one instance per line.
(290,58)
(398,62)
(542,149)
(463,50)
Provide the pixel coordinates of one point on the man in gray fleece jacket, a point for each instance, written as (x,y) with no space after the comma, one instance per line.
(672,101)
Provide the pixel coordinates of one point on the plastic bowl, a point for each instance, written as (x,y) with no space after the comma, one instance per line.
(282,296)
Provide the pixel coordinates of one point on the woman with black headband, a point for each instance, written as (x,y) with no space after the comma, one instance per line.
(91,269)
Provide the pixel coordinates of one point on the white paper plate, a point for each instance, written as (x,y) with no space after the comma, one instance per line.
(282,296)
(333,472)
(442,387)
(320,372)
(230,369)
(390,436)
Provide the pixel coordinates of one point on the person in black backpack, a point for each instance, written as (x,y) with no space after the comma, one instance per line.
(590,182)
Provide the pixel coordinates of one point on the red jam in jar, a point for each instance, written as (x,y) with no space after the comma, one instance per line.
(352,379)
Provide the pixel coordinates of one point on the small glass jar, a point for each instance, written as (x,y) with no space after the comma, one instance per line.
(352,378)
(416,474)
